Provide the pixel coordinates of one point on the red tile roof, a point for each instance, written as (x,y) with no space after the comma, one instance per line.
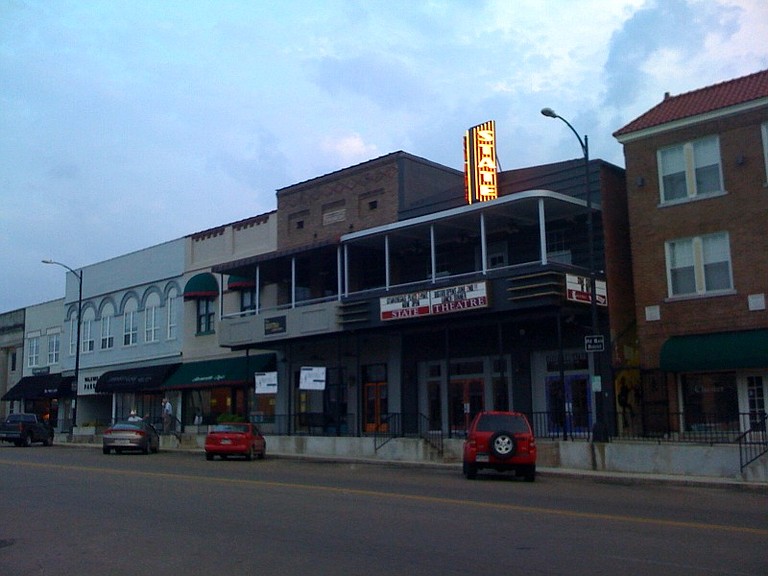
(701,101)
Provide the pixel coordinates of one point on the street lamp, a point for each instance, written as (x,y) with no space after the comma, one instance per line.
(79,276)
(549,113)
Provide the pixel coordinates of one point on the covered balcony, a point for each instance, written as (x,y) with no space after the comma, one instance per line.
(525,243)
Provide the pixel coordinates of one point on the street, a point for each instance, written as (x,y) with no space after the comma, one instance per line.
(67,510)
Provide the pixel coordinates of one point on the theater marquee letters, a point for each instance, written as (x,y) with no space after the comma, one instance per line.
(432,302)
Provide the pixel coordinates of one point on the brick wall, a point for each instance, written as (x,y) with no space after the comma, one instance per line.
(742,212)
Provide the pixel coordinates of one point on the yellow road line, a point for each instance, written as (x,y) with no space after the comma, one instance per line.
(413,497)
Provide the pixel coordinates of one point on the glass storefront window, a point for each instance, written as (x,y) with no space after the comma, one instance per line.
(710,402)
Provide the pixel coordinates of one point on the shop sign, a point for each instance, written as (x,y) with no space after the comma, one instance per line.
(312,378)
(480,163)
(266,382)
(578,289)
(432,302)
(274,325)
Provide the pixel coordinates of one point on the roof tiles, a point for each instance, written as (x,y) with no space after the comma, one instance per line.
(701,101)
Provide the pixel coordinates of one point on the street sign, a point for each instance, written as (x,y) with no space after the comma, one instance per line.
(594,343)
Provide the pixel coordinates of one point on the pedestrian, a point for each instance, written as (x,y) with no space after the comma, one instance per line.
(167,414)
(133,417)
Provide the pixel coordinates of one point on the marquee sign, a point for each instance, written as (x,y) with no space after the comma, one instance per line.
(480,162)
(432,302)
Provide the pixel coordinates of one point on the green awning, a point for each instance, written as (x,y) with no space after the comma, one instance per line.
(240,283)
(223,372)
(201,286)
(721,351)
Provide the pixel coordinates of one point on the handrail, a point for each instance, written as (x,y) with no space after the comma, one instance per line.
(753,443)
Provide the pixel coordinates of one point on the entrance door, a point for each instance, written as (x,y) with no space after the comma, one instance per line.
(569,405)
(756,400)
(465,399)
(376,402)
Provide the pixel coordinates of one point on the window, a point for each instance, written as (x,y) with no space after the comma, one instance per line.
(72,336)
(54,348)
(690,170)
(171,317)
(248,300)
(152,318)
(764,129)
(86,336)
(699,265)
(205,315)
(33,351)
(130,328)
(107,340)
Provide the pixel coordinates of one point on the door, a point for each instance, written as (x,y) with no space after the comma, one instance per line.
(756,400)
(569,405)
(465,399)
(376,403)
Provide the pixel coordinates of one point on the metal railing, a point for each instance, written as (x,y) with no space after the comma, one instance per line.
(391,426)
(754,442)
(648,425)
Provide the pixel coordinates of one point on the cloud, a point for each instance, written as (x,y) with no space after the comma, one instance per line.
(349,149)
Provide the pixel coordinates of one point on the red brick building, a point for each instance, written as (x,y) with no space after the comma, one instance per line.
(697,186)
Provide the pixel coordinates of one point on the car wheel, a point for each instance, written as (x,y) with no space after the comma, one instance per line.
(502,445)
(208,456)
(470,470)
(105,450)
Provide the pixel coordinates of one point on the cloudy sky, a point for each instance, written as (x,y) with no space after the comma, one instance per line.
(125,124)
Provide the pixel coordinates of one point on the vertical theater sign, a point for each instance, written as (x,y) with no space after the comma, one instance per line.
(480,162)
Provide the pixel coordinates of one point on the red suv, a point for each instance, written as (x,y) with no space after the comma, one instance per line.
(502,441)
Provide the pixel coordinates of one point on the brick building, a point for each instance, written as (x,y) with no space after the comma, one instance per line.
(696,168)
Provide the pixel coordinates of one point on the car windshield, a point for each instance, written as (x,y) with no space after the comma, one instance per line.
(508,422)
(231,428)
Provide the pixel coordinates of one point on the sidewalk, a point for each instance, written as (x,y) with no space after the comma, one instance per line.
(602,476)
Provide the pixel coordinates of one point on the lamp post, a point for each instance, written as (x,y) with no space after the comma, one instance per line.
(79,276)
(595,328)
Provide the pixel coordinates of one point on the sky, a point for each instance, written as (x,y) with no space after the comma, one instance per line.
(128,123)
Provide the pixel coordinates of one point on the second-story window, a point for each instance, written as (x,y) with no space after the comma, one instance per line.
(86,336)
(690,170)
(107,340)
(130,328)
(699,265)
(248,300)
(205,315)
(171,316)
(54,348)
(764,129)
(151,324)
(33,352)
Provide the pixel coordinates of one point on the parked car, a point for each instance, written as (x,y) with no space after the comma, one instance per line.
(502,441)
(24,429)
(235,439)
(130,435)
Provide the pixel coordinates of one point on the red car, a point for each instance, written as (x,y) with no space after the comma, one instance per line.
(502,441)
(235,439)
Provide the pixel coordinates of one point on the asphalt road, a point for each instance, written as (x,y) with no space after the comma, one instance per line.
(73,511)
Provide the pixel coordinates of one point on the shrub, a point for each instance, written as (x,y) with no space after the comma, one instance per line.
(229,418)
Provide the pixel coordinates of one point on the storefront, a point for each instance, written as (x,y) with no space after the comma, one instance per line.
(46,395)
(210,389)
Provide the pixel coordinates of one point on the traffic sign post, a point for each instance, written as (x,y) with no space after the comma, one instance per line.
(594,343)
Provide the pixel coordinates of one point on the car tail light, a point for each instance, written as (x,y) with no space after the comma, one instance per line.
(108,431)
